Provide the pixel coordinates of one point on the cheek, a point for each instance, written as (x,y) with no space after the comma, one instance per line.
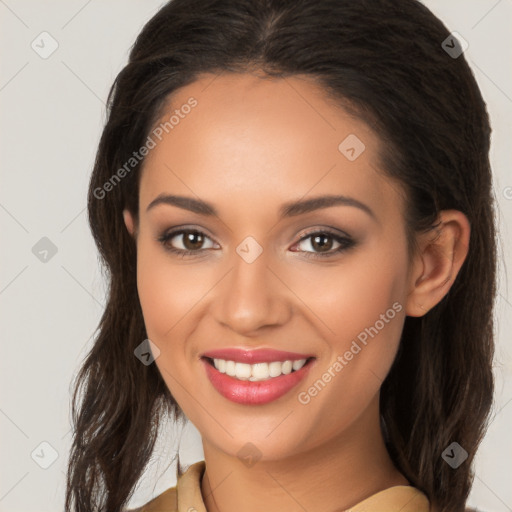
(352,296)
(370,305)
(168,293)
(156,293)
(360,309)
(364,315)
(378,306)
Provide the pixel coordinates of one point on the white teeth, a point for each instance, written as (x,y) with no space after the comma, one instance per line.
(230,368)
(275,368)
(220,364)
(287,367)
(242,370)
(258,371)
(297,365)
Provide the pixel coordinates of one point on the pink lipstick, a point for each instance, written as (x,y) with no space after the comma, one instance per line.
(254,377)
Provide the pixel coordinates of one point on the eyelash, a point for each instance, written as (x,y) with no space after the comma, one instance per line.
(344,241)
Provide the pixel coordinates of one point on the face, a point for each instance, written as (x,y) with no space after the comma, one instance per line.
(324,282)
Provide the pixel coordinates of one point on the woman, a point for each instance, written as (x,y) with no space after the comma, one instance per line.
(292,200)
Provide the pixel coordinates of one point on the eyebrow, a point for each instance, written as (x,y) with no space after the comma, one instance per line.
(290,209)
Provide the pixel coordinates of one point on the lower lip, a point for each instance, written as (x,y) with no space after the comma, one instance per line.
(254,393)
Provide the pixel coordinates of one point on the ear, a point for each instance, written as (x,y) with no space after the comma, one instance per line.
(130,222)
(440,256)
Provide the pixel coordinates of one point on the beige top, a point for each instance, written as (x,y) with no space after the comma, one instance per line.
(186,497)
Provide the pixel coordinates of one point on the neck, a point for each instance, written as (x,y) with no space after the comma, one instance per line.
(333,476)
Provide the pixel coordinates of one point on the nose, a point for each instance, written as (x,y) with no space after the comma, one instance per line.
(252,296)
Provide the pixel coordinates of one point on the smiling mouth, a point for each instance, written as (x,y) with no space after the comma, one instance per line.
(259,371)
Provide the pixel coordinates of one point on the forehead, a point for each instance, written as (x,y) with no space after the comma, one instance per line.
(248,136)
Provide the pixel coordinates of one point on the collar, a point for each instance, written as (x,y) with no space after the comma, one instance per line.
(400,498)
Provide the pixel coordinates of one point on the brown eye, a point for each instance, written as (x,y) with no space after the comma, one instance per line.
(193,240)
(185,241)
(322,243)
(319,243)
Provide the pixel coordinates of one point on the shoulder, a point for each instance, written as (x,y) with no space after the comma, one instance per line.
(188,487)
(165,502)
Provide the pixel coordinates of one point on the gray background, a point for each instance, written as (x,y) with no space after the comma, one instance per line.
(53,111)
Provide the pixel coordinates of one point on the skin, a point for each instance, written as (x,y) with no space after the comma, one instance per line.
(249,146)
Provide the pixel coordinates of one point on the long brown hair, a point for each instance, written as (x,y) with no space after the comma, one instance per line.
(385,60)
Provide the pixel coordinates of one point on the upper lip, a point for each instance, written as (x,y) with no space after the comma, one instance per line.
(260,355)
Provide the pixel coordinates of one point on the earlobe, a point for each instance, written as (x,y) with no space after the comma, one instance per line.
(442,252)
(129,222)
